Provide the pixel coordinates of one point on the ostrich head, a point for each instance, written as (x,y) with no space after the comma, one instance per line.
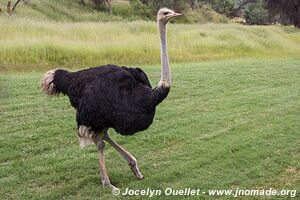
(164,15)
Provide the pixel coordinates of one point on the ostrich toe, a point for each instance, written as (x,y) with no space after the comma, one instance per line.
(136,171)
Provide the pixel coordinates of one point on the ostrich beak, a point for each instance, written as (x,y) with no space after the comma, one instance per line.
(176,14)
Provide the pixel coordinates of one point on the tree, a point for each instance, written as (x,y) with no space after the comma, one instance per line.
(106,3)
(12,9)
(257,14)
(142,8)
(229,7)
(287,9)
(239,5)
(178,5)
(8,7)
(82,2)
(223,7)
(15,5)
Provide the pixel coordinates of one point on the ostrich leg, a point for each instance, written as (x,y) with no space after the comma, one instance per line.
(98,139)
(126,155)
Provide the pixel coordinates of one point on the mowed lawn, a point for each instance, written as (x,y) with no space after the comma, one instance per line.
(225,125)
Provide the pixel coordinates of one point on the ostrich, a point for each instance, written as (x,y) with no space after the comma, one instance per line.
(115,97)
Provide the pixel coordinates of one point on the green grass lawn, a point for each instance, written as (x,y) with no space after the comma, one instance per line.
(225,124)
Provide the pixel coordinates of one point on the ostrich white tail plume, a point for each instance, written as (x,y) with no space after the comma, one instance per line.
(47,84)
(85,136)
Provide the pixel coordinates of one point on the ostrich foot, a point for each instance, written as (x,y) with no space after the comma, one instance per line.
(109,186)
(134,168)
(114,190)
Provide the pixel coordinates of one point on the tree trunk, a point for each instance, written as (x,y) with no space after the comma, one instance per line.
(8,8)
(297,17)
(297,23)
(108,3)
(15,5)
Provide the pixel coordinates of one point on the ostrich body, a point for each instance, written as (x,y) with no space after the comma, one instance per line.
(113,97)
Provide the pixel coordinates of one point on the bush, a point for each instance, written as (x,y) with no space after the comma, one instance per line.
(257,14)
(202,14)
(142,10)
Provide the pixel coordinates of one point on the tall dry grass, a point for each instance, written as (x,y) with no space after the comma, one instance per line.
(25,43)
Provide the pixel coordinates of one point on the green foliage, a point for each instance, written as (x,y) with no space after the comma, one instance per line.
(178,5)
(61,10)
(223,6)
(257,14)
(140,9)
(218,119)
(74,11)
(289,10)
(203,15)
(148,9)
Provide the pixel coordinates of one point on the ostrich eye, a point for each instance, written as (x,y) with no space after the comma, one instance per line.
(165,13)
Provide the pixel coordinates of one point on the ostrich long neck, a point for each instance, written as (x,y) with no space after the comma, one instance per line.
(165,79)
(163,87)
